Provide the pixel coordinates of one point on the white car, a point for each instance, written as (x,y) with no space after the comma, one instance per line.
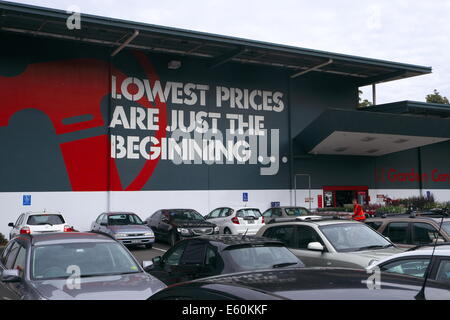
(415,262)
(241,220)
(38,222)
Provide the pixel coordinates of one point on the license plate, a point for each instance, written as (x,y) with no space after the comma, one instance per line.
(250,221)
(135,241)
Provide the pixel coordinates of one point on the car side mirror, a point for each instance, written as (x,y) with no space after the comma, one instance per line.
(316,246)
(10,276)
(11,224)
(157,261)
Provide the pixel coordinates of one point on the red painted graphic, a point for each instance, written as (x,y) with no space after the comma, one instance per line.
(71,88)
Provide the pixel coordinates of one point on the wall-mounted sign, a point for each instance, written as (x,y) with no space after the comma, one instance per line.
(275,204)
(26,200)
(245,196)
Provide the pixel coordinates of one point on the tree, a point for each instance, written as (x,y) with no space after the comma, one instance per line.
(436,97)
(364,103)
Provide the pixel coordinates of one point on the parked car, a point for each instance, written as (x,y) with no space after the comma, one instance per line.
(408,231)
(236,220)
(285,212)
(221,254)
(38,222)
(416,262)
(125,227)
(84,266)
(303,284)
(325,242)
(173,225)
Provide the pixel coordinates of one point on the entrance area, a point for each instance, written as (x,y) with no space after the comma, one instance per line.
(339,196)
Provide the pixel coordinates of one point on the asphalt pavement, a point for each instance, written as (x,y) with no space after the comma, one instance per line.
(143,254)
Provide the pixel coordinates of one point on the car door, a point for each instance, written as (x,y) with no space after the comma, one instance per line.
(399,233)
(7,260)
(214,217)
(425,233)
(153,223)
(304,236)
(19,264)
(183,262)
(17,225)
(164,226)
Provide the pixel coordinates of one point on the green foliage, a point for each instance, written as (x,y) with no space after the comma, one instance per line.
(363,103)
(3,240)
(391,210)
(436,97)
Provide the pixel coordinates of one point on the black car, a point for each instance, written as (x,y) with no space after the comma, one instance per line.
(173,225)
(214,255)
(304,284)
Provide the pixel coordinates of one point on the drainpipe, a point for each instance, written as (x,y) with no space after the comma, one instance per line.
(419,167)
(374,94)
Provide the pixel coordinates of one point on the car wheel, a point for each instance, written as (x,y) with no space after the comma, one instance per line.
(149,246)
(227,231)
(173,239)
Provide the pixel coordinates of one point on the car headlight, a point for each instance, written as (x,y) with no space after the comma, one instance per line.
(149,234)
(120,235)
(184,231)
(216,230)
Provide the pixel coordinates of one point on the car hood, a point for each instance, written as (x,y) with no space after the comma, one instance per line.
(378,253)
(117,287)
(129,228)
(193,224)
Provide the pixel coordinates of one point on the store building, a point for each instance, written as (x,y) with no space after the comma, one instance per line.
(121,115)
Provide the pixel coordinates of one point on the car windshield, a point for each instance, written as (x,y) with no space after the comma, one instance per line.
(262,257)
(42,219)
(255,213)
(85,259)
(186,215)
(353,237)
(123,219)
(446,227)
(296,211)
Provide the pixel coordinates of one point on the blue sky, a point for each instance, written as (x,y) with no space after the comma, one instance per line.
(415,32)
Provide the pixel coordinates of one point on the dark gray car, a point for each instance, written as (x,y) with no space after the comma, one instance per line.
(82,266)
(125,227)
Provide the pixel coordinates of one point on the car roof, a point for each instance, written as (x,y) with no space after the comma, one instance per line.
(236,240)
(315,283)
(409,218)
(31,213)
(443,251)
(320,222)
(118,212)
(63,237)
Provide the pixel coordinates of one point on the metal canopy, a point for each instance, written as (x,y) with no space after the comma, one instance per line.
(352,132)
(412,107)
(44,22)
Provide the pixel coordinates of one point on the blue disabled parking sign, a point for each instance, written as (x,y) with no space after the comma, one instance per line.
(27,199)
(245,197)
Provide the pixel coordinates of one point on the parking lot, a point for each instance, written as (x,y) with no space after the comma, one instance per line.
(143,254)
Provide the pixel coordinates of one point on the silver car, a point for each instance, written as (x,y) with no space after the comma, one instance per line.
(125,227)
(81,266)
(323,242)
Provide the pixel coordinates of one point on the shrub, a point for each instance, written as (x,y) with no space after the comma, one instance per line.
(3,240)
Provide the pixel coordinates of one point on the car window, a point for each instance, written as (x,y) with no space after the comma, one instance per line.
(20,262)
(155,216)
(173,257)
(397,232)
(215,213)
(424,233)
(276,212)
(305,235)
(5,253)
(267,213)
(11,258)
(443,273)
(19,220)
(100,218)
(43,219)
(296,212)
(374,224)
(211,258)
(225,212)
(123,219)
(446,227)
(92,259)
(194,253)
(248,213)
(415,267)
(285,234)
